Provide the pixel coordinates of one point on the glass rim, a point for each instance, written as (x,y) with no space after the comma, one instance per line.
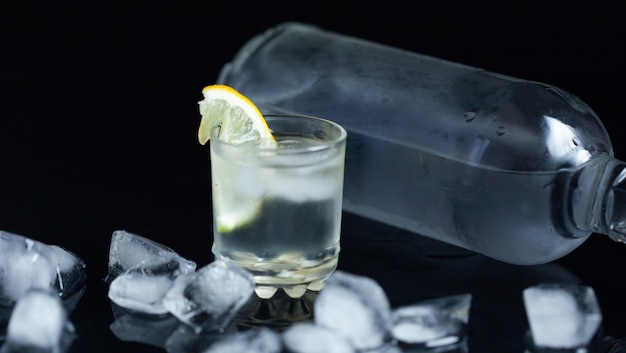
(328,144)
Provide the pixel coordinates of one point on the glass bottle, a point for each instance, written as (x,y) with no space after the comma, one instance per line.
(520,171)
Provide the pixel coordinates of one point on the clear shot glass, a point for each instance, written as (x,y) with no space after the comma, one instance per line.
(277,211)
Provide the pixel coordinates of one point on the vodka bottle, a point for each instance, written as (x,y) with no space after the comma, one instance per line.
(519,171)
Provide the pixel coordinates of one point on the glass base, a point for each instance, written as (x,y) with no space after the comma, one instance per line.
(278,312)
(269,291)
(292,274)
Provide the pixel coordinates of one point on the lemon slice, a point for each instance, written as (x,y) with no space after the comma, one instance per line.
(239,119)
(238,217)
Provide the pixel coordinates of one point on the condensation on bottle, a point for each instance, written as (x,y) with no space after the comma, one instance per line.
(520,171)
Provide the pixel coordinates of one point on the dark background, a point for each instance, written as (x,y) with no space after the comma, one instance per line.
(98,118)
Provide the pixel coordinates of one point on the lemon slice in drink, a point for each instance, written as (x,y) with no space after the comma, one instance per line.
(238,118)
(239,121)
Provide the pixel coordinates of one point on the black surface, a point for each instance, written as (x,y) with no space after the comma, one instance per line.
(98,127)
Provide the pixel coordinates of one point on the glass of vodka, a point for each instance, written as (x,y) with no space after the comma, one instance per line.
(277,211)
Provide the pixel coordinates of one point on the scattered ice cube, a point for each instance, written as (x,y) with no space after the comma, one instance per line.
(254,340)
(432,323)
(28,264)
(356,308)
(185,340)
(391,347)
(311,338)
(21,270)
(210,297)
(70,271)
(142,290)
(562,315)
(142,329)
(38,323)
(129,251)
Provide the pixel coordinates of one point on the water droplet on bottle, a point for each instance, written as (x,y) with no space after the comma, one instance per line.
(469,116)
(501,131)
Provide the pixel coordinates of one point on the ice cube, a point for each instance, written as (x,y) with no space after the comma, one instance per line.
(391,347)
(288,185)
(27,264)
(562,315)
(129,251)
(254,340)
(432,323)
(209,298)
(22,269)
(143,329)
(356,308)
(185,340)
(38,323)
(70,271)
(311,338)
(143,290)
(249,182)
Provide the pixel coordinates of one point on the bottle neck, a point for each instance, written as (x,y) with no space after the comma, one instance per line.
(607,207)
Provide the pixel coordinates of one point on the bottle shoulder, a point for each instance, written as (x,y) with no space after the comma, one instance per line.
(529,126)
(511,126)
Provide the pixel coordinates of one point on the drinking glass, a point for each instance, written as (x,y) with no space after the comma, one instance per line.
(277,210)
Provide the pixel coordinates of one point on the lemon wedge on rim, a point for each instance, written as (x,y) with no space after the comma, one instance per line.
(239,121)
(238,118)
